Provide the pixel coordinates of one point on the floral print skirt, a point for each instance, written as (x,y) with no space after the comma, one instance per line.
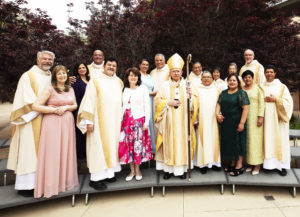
(135,143)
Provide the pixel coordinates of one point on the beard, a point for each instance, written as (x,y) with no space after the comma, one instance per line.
(46,67)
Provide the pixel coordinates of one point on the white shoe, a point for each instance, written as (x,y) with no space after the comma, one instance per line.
(249,169)
(129,178)
(138,178)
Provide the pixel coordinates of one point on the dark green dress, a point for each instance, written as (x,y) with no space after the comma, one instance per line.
(233,143)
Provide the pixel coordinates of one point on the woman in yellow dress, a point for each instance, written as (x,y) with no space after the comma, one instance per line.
(255,155)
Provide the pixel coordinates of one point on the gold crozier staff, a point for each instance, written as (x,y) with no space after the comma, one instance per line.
(189,58)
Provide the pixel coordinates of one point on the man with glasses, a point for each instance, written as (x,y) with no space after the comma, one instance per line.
(208,146)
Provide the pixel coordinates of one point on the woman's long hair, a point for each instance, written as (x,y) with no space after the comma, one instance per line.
(55,70)
(75,70)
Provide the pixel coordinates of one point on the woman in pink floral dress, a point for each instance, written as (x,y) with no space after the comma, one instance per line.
(135,141)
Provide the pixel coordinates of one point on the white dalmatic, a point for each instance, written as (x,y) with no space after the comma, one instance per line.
(276,126)
(208,144)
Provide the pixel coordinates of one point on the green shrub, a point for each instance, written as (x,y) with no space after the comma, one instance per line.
(295,123)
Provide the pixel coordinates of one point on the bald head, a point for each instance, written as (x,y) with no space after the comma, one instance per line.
(98,57)
(248,56)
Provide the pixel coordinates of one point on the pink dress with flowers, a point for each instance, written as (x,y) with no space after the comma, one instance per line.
(135,143)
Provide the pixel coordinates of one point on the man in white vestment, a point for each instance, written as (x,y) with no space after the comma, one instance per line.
(208,145)
(278,112)
(23,150)
(100,115)
(161,73)
(97,66)
(254,66)
(196,74)
(171,119)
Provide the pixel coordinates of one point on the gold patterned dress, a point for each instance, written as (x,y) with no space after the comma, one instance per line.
(255,153)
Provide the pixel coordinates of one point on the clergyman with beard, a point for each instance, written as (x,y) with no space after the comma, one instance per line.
(25,137)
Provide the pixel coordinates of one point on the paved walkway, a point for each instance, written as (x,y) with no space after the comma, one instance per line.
(178,202)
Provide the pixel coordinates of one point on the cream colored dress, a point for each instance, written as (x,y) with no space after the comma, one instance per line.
(254,133)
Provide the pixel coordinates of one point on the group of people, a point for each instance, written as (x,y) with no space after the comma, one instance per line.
(242,121)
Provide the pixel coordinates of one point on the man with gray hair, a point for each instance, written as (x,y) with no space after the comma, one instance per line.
(161,72)
(254,66)
(23,150)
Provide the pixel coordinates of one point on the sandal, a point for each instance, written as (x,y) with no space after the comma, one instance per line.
(237,172)
(228,169)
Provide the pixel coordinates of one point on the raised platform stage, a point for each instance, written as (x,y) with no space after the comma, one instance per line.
(150,180)
(210,178)
(153,178)
(10,198)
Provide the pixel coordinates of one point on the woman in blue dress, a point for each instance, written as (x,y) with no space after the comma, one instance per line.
(149,83)
(81,72)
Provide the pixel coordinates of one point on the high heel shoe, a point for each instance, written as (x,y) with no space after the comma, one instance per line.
(237,172)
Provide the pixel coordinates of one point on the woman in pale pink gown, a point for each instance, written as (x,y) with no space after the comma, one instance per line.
(56,165)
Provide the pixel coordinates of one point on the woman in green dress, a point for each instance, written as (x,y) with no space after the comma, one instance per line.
(231,112)
(254,123)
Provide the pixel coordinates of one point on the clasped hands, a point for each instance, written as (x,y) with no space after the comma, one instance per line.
(220,119)
(270,98)
(59,110)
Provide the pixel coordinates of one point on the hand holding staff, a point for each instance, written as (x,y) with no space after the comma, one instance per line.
(189,58)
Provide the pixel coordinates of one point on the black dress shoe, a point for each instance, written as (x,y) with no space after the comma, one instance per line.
(26,193)
(215,168)
(183,176)
(167,175)
(282,172)
(98,185)
(113,179)
(203,170)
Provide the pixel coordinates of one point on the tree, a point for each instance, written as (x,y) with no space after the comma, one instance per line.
(216,32)
(23,34)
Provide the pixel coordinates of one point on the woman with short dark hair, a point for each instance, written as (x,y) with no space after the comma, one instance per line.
(221,84)
(255,121)
(135,142)
(231,112)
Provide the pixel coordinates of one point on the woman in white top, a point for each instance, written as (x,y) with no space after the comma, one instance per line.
(217,80)
(135,141)
(148,81)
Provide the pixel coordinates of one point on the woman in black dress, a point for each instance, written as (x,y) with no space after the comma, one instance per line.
(81,72)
